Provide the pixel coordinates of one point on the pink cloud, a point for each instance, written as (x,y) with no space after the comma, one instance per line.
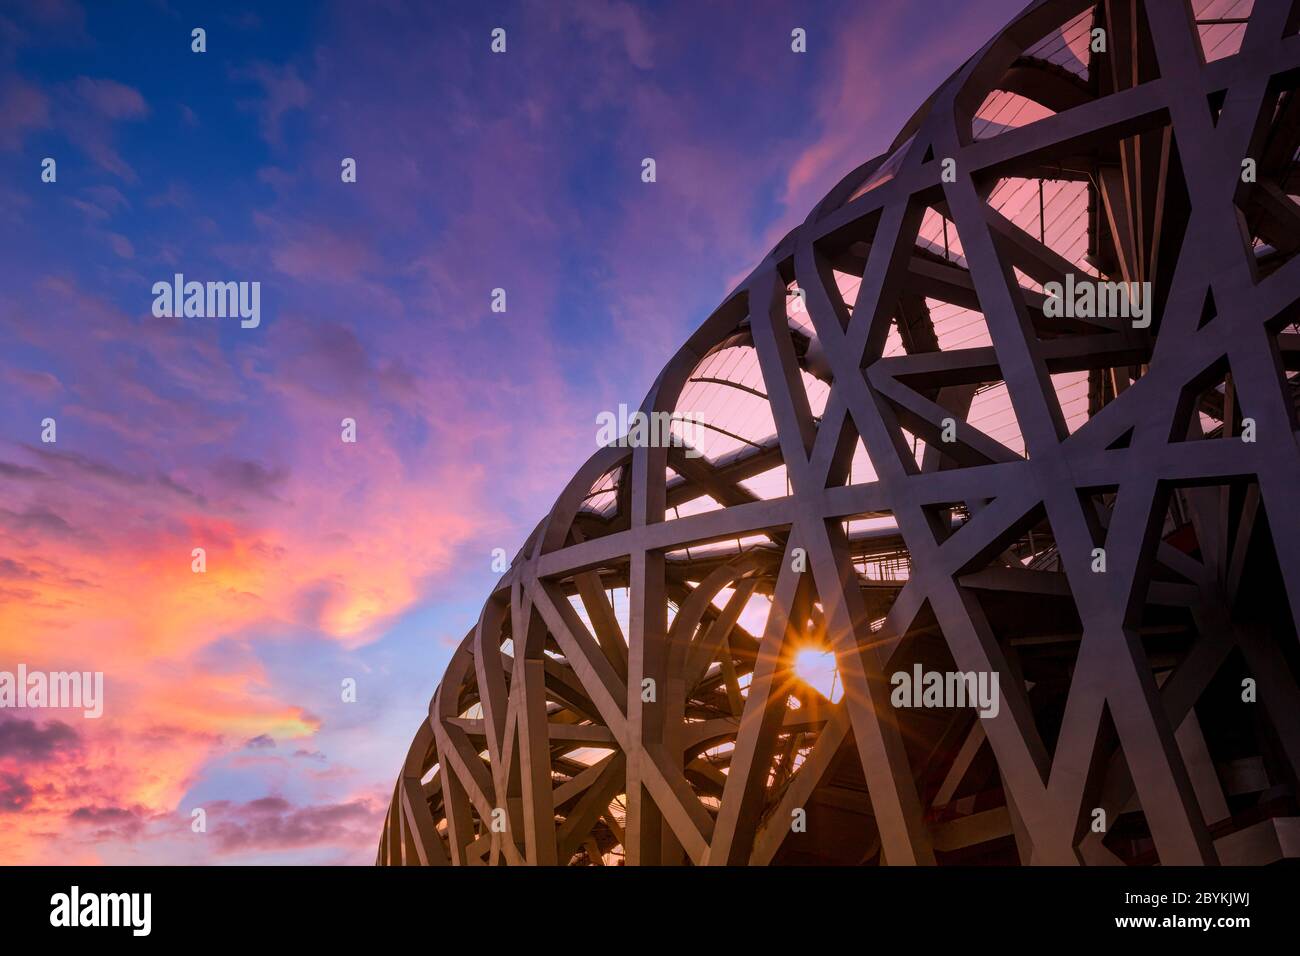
(273,823)
(23,108)
(111,99)
(122,246)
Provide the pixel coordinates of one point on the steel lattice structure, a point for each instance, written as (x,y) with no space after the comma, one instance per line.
(905,305)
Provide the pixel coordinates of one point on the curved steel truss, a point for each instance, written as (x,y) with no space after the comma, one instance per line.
(912,461)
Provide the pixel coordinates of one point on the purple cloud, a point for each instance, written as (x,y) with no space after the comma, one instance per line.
(273,823)
(31,742)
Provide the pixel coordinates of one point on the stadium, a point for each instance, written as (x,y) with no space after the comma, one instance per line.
(902,461)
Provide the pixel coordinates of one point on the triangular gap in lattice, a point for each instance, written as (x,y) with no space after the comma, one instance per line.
(1209,407)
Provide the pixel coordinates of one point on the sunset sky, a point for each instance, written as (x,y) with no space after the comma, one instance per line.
(370,560)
